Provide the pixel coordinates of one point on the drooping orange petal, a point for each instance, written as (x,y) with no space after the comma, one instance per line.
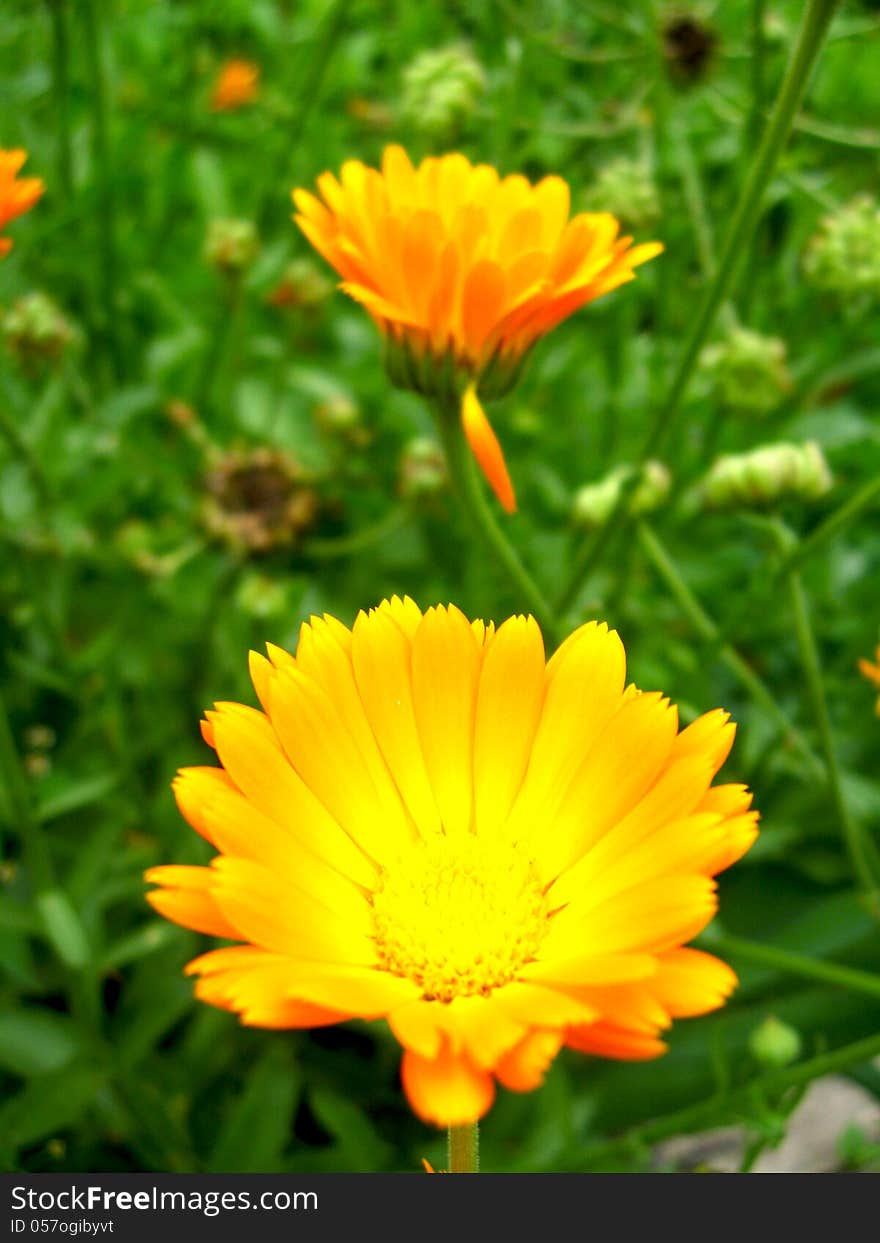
(447,1090)
(486,449)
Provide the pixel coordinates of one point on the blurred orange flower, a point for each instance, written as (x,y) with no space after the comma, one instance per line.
(459,265)
(429,823)
(17,195)
(871,671)
(237,84)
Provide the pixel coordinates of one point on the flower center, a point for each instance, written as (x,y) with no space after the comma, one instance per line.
(459,916)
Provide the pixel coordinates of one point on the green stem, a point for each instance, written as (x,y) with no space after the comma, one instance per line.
(796,964)
(714,1111)
(467,485)
(710,632)
(349,545)
(752,128)
(228,309)
(61,90)
(308,88)
(21,449)
(464,1149)
(20,809)
(810,663)
(834,523)
(814,28)
(106,198)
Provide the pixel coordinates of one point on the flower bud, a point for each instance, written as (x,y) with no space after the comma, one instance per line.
(748,370)
(441,88)
(774,1043)
(595,502)
(422,470)
(258,500)
(843,257)
(766,476)
(36,330)
(231,245)
(340,418)
(627,190)
(689,46)
(303,285)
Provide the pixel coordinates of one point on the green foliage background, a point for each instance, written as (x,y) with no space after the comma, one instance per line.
(121,618)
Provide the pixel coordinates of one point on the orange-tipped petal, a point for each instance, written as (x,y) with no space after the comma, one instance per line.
(486,449)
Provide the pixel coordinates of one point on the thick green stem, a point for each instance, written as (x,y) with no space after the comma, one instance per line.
(106,217)
(709,631)
(61,92)
(464,1149)
(811,665)
(796,964)
(814,28)
(463,473)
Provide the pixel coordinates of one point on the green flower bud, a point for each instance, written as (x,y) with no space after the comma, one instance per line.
(341,419)
(748,370)
(441,89)
(231,245)
(627,189)
(774,1043)
(595,502)
(422,471)
(36,330)
(844,255)
(303,285)
(766,476)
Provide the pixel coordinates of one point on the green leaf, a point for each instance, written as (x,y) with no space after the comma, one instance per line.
(63,927)
(34,1042)
(48,1105)
(76,795)
(260,1123)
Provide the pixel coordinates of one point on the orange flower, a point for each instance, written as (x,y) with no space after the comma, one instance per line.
(872,673)
(17,195)
(456,264)
(236,84)
(429,823)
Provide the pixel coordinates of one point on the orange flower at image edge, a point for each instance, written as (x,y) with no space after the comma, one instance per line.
(871,671)
(429,823)
(237,84)
(17,194)
(463,270)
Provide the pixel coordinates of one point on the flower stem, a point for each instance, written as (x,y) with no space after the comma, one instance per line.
(709,631)
(796,964)
(835,522)
(810,663)
(60,89)
(468,487)
(106,196)
(464,1149)
(714,1111)
(9,430)
(814,28)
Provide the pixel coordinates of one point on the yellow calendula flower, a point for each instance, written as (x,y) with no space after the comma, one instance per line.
(17,194)
(237,84)
(463,271)
(429,823)
(871,671)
